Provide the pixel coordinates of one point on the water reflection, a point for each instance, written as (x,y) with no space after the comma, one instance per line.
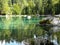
(11,43)
(2,42)
(55,40)
(13,31)
(14,43)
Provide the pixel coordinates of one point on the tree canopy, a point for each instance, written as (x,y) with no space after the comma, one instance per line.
(29,7)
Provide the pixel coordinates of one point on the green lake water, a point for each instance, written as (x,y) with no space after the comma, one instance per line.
(16,29)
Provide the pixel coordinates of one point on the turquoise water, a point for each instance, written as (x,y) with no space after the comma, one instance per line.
(21,28)
(17,28)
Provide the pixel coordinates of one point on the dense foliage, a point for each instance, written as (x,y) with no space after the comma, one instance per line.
(29,7)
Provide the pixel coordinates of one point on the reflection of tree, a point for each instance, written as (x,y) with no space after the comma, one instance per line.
(18,34)
(20,30)
(17,29)
(1,23)
(46,26)
(58,36)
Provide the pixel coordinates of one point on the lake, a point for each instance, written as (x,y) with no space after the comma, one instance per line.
(15,29)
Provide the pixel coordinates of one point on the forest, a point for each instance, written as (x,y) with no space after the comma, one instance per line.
(20,19)
(29,7)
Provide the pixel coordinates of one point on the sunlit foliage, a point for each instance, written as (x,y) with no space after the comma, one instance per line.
(29,7)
